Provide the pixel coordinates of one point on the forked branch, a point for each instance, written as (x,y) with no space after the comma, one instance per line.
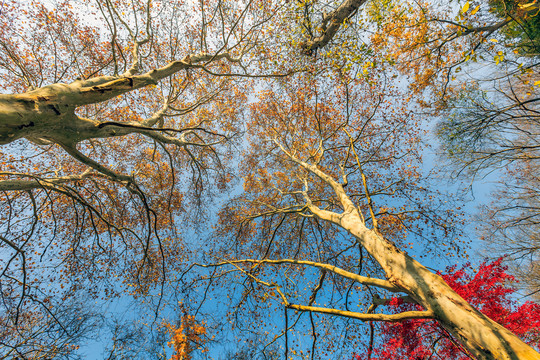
(380,283)
(330,25)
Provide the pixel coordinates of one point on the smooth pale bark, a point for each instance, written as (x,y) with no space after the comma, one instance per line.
(407,315)
(383,284)
(481,336)
(47,114)
(34,182)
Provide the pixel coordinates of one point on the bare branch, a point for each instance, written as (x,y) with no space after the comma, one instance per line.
(36,182)
(384,284)
(407,315)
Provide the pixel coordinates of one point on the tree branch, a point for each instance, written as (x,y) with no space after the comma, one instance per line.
(407,315)
(38,183)
(330,25)
(384,284)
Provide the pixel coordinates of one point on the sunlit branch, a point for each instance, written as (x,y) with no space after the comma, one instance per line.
(36,182)
(345,201)
(256,279)
(57,102)
(407,315)
(377,301)
(364,182)
(384,284)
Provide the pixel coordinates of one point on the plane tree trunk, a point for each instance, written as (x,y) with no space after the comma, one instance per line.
(481,336)
(47,114)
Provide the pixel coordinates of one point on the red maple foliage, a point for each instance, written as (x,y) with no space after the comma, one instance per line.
(489,290)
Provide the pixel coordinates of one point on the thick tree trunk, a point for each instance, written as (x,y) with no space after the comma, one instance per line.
(48,114)
(481,336)
(484,338)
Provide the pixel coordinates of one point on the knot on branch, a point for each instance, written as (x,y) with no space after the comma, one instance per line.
(306,48)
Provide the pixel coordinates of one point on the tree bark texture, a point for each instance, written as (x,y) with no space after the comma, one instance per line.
(481,336)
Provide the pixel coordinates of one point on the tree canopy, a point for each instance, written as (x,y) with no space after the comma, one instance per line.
(250,175)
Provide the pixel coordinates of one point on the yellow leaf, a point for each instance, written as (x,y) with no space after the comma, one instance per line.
(494,40)
(537,83)
(475,10)
(527,5)
(465,8)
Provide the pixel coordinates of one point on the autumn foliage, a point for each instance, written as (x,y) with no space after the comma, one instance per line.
(488,289)
(125,125)
(186,338)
